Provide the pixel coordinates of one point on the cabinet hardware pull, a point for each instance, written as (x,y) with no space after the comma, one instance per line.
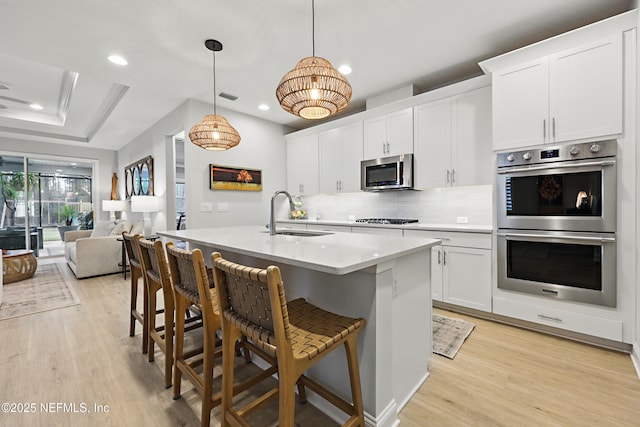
(448,175)
(536,237)
(444,257)
(453,176)
(439,260)
(553,128)
(544,130)
(555,319)
(559,166)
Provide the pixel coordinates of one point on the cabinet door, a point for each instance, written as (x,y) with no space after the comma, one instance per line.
(351,158)
(467,277)
(471,148)
(432,148)
(330,160)
(375,138)
(586,90)
(436,273)
(521,105)
(302,165)
(400,132)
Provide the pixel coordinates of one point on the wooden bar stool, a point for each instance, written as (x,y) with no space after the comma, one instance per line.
(136,273)
(252,303)
(156,271)
(191,284)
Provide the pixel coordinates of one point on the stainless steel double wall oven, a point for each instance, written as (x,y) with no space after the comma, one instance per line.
(557,222)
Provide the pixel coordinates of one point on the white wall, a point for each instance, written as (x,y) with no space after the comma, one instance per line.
(104,163)
(262,147)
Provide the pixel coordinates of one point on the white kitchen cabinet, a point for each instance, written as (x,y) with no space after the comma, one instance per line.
(573,94)
(460,268)
(389,135)
(378,230)
(302,164)
(453,141)
(340,152)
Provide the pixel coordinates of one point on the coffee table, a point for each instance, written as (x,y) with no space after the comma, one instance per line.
(18,265)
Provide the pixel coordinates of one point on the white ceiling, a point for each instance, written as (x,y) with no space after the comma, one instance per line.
(54,53)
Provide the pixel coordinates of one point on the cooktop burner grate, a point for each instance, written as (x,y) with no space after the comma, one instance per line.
(387,220)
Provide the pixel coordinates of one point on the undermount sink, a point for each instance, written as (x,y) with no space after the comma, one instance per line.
(302,233)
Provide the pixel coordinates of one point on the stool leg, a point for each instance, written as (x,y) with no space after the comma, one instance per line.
(351,347)
(145,314)
(181,308)
(286,395)
(151,322)
(134,305)
(168,343)
(229,338)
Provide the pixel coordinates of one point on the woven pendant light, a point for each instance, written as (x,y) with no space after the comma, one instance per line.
(313,89)
(214,132)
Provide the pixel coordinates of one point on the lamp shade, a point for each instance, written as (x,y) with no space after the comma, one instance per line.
(144,204)
(313,89)
(214,132)
(113,205)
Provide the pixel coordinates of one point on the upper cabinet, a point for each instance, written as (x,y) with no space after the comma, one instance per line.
(573,94)
(389,135)
(453,141)
(340,156)
(302,164)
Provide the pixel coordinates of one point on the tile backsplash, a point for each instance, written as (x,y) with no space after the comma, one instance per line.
(433,206)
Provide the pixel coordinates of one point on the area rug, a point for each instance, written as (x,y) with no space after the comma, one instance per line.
(46,290)
(449,335)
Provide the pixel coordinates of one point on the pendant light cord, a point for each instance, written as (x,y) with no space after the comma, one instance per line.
(215,111)
(313,27)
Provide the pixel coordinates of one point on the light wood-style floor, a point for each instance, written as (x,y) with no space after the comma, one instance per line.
(81,358)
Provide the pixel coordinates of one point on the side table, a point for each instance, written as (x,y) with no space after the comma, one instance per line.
(18,265)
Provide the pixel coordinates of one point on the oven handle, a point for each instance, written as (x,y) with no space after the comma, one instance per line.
(554,236)
(557,166)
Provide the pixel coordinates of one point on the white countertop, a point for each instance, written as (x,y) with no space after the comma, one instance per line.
(468,228)
(335,253)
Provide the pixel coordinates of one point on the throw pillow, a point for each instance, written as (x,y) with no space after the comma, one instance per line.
(121,227)
(102,228)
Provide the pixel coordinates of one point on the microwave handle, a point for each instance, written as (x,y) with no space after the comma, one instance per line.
(558,166)
(580,238)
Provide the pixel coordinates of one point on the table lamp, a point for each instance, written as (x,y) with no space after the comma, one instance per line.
(146,205)
(113,206)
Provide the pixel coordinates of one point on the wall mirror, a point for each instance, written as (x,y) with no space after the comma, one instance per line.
(139,178)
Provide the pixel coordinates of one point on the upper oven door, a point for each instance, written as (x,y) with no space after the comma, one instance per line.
(563,196)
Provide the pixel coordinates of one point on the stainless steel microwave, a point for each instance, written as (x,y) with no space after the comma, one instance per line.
(387,173)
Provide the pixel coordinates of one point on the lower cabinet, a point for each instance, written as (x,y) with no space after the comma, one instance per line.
(460,268)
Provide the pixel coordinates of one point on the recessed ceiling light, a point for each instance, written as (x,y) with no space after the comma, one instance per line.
(345,69)
(58,170)
(73,163)
(263,107)
(118,60)
(36,106)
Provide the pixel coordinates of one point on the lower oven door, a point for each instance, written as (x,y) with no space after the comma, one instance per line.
(563,265)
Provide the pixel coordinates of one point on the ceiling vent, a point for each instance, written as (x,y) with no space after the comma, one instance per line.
(227,96)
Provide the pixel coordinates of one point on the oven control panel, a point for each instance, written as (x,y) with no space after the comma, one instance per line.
(547,154)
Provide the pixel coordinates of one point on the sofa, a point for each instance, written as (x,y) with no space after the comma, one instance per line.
(97,252)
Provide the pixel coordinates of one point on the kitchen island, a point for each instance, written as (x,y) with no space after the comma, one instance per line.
(383,279)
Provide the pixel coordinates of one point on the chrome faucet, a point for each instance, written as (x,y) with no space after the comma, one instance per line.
(272,220)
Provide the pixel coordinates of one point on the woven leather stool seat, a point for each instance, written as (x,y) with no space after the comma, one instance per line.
(252,302)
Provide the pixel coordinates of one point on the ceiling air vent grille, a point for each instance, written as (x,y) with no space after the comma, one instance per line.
(227,96)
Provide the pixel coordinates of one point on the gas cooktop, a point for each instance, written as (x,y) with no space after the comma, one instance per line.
(387,220)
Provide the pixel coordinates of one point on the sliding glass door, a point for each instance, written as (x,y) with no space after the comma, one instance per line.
(35,195)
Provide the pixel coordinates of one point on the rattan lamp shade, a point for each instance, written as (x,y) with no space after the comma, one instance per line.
(214,132)
(313,89)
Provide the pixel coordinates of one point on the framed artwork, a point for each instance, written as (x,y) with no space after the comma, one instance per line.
(234,178)
(138,178)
